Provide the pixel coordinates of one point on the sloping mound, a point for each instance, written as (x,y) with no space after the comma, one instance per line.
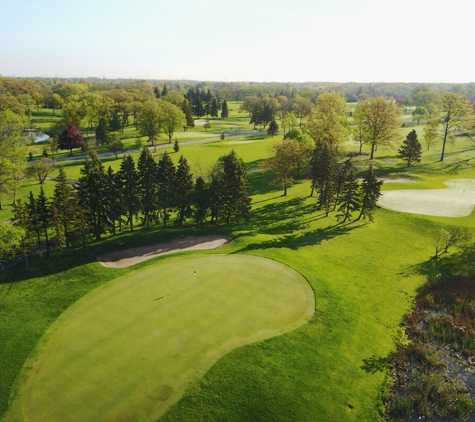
(128,350)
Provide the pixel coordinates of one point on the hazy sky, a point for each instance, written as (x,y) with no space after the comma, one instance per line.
(244,40)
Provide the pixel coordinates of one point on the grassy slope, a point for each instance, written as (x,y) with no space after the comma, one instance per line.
(364,278)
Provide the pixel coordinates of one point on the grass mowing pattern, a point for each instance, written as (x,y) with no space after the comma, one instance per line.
(127,350)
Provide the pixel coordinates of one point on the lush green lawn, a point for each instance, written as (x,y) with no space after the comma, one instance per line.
(129,348)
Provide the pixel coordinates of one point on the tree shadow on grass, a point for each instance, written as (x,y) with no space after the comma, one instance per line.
(461,262)
(375,364)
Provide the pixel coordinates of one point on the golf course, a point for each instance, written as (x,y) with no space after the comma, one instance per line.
(287,315)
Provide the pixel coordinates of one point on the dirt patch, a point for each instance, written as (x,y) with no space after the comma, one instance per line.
(128,257)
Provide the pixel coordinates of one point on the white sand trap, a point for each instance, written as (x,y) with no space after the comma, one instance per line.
(456,201)
(126,258)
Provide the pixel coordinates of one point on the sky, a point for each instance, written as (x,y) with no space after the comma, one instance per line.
(244,40)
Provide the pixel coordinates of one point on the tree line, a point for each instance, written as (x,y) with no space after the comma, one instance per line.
(151,192)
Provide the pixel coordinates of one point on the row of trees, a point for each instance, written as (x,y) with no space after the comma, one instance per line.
(150,191)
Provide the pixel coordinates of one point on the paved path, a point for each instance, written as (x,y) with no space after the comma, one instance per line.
(167,145)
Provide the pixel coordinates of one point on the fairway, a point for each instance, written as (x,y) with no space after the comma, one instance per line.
(128,350)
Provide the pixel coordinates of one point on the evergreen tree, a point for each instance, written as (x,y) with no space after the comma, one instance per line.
(224,110)
(214,107)
(200,200)
(102,132)
(216,192)
(147,186)
(164,90)
(411,149)
(322,174)
(236,200)
(156,91)
(128,185)
(187,110)
(33,219)
(183,191)
(166,182)
(349,201)
(113,200)
(43,209)
(91,187)
(66,209)
(198,108)
(115,123)
(273,128)
(371,191)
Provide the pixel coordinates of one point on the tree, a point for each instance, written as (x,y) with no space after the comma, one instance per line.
(224,110)
(115,144)
(44,214)
(150,120)
(200,199)
(147,186)
(40,169)
(379,118)
(102,132)
(371,191)
(187,111)
(431,132)
(129,188)
(323,166)
(207,125)
(273,128)
(183,190)
(285,162)
(411,149)
(302,108)
(456,114)
(166,182)
(172,119)
(446,238)
(214,107)
(71,138)
(328,121)
(349,201)
(91,187)
(236,200)
(420,113)
(11,239)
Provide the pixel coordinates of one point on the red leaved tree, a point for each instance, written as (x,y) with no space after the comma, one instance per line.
(71,138)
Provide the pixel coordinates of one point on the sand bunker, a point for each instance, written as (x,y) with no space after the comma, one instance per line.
(126,258)
(456,201)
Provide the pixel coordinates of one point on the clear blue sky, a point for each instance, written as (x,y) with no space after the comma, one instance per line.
(244,40)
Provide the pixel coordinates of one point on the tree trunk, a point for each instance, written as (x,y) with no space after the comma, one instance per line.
(372,151)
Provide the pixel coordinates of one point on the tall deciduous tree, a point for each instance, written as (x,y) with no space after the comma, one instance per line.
(172,119)
(150,120)
(456,117)
(431,132)
(411,149)
(380,118)
(328,121)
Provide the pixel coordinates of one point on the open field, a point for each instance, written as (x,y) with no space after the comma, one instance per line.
(127,350)
(364,278)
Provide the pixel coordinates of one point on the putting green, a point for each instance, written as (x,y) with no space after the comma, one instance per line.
(128,350)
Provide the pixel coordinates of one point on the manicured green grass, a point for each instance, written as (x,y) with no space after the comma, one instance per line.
(364,277)
(130,347)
